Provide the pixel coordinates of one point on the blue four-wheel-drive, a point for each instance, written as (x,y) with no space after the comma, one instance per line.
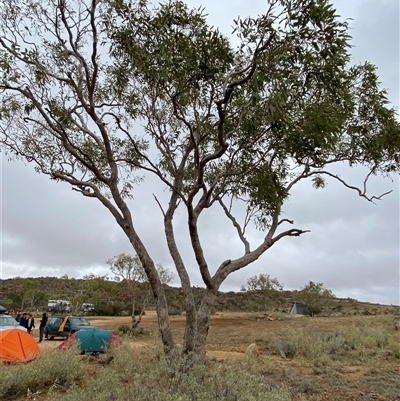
(64,326)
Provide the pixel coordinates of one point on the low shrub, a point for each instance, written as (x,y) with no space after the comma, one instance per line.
(137,331)
(123,329)
(148,378)
(175,311)
(52,368)
(321,349)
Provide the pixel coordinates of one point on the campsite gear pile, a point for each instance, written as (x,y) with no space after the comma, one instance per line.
(93,341)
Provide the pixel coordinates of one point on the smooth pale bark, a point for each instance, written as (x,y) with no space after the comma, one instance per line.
(159,296)
(190,306)
(126,224)
(203,323)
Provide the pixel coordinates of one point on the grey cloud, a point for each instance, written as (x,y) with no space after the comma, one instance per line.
(376,33)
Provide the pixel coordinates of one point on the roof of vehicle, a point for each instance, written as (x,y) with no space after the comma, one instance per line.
(8,322)
(63,316)
(74,323)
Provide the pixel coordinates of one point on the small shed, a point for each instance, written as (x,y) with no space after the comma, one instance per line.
(298,308)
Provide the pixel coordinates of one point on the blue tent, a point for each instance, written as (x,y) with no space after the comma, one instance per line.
(92,341)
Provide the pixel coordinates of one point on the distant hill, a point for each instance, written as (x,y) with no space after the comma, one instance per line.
(111,297)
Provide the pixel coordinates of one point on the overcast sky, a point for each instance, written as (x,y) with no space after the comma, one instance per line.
(353,246)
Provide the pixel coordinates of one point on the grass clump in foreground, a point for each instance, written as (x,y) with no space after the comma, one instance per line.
(51,370)
(147,377)
(352,344)
(336,361)
(67,376)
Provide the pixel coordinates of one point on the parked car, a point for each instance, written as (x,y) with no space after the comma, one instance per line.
(55,327)
(87,307)
(59,306)
(8,322)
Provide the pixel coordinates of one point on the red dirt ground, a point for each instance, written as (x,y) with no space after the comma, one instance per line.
(231,333)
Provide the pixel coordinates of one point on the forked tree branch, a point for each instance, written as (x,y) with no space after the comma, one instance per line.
(159,205)
(285,220)
(294,232)
(362,193)
(236,225)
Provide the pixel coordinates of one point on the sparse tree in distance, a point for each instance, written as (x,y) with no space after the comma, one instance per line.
(98,289)
(26,293)
(314,295)
(270,288)
(129,268)
(224,126)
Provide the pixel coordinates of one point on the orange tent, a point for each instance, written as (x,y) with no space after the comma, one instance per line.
(17,346)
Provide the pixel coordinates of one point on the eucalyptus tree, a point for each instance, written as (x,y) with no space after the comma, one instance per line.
(270,288)
(130,270)
(99,289)
(222,124)
(314,295)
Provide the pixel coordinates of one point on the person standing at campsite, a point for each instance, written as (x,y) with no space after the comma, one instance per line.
(18,317)
(43,323)
(23,320)
(30,323)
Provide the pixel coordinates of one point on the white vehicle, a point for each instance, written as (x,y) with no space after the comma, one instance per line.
(7,322)
(59,305)
(51,305)
(87,307)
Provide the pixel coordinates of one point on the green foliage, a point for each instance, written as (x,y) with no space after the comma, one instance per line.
(172,47)
(104,293)
(299,105)
(127,267)
(288,95)
(113,309)
(137,331)
(270,288)
(263,282)
(314,295)
(174,311)
(130,270)
(123,329)
(99,289)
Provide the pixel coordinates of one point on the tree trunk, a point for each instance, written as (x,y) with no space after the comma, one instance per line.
(190,306)
(203,323)
(133,307)
(158,292)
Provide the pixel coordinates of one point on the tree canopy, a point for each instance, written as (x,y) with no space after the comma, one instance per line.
(129,269)
(269,287)
(222,124)
(314,295)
